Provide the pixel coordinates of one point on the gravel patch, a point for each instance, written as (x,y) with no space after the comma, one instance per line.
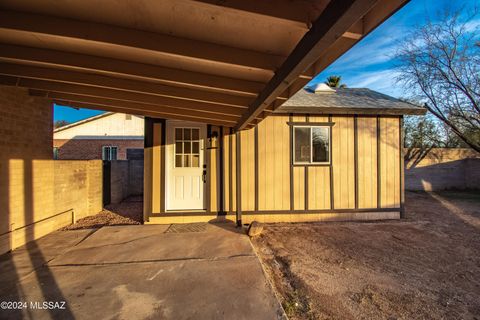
(128,212)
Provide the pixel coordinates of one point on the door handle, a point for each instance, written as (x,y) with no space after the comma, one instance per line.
(204,176)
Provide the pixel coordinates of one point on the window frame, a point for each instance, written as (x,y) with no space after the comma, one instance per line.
(110,152)
(191,153)
(327,126)
(55,153)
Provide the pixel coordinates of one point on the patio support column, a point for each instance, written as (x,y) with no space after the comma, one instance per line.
(239,178)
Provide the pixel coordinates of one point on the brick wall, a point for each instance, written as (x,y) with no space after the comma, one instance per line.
(38,194)
(86,149)
(442,169)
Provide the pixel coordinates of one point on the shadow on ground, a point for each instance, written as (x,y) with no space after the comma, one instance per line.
(425,266)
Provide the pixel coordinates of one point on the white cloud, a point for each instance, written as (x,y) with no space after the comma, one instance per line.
(383,81)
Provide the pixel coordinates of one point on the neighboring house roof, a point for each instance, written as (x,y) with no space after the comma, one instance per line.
(74,124)
(347,101)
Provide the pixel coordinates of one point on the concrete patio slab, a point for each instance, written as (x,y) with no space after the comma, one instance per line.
(22,261)
(151,243)
(141,272)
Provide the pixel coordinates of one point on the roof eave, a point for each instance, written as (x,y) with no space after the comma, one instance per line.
(350,111)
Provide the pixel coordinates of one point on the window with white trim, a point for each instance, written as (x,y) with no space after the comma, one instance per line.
(311,145)
(109,153)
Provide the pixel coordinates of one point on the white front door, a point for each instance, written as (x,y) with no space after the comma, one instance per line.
(185,165)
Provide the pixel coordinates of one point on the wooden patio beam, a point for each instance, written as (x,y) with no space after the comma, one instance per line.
(127,96)
(119,37)
(96,80)
(334,21)
(153,114)
(302,12)
(122,68)
(139,108)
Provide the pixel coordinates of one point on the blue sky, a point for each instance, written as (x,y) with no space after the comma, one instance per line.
(368,64)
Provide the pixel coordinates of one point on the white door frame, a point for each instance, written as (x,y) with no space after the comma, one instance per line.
(169,158)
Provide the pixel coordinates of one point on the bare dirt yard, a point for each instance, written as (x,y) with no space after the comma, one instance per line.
(129,211)
(424,267)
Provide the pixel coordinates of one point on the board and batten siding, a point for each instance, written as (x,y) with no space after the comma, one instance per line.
(363,180)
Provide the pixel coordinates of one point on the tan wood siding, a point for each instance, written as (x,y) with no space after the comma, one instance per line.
(298,188)
(389,162)
(318,187)
(274,163)
(274,168)
(367,162)
(343,163)
(247,159)
(318,119)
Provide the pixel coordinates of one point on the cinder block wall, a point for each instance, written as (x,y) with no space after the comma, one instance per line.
(37,194)
(443,169)
(126,179)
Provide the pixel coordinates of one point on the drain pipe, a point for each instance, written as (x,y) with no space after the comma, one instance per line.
(239,179)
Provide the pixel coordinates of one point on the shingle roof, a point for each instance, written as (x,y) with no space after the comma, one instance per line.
(348,101)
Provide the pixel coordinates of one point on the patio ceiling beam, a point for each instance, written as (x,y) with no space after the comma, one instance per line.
(96,80)
(134,70)
(334,21)
(143,113)
(302,11)
(134,97)
(140,108)
(121,37)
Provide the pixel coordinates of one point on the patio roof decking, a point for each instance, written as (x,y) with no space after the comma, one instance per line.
(228,62)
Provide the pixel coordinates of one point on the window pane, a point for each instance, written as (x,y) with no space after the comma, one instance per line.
(195,134)
(186,160)
(178,134)
(196,161)
(178,147)
(105,153)
(320,144)
(195,147)
(114,153)
(186,134)
(178,161)
(302,144)
(187,147)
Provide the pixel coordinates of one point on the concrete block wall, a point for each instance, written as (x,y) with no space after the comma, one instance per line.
(135,177)
(443,169)
(38,194)
(118,181)
(78,187)
(472,173)
(126,179)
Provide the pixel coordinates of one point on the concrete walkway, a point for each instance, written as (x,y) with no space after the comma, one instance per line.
(203,271)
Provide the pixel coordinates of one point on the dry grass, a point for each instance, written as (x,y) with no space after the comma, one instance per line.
(424,267)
